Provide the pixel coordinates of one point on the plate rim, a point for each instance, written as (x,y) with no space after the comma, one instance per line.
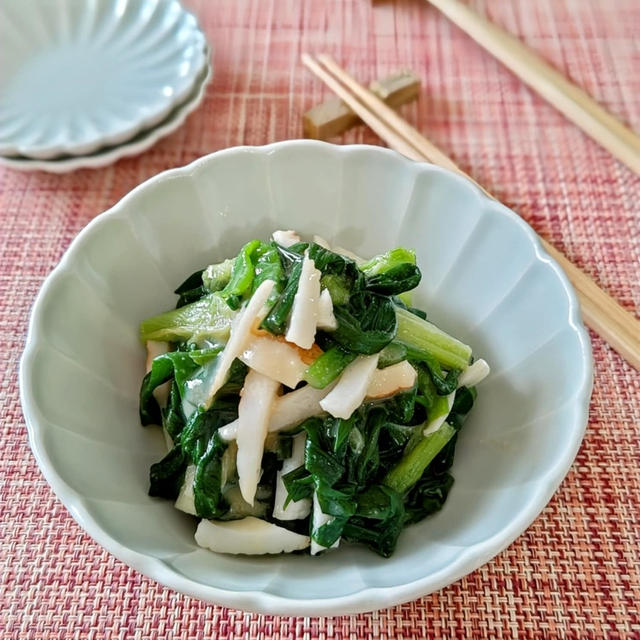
(368,598)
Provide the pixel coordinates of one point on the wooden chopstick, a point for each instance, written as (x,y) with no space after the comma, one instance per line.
(600,311)
(574,103)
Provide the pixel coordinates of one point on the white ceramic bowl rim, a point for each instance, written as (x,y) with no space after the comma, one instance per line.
(366,599)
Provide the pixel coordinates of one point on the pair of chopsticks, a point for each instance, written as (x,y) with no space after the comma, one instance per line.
(599,310)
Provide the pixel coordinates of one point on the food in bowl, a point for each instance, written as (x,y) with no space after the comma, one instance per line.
(304,400)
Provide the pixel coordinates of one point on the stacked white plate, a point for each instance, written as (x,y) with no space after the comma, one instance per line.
(86,82)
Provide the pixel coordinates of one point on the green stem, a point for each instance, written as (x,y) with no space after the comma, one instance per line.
(413,464)
(328,367)
(421,337)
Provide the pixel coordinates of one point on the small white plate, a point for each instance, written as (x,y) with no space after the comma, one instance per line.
(78,75)
(108,155)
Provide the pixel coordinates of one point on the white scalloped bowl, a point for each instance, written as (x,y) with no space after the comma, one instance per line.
(78,75)
(485,279)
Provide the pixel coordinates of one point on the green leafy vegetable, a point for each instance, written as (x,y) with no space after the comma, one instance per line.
(340,431)
(370,474)
(397,280)
(379,520)
(435,404)
(339,274)
(191,289)
(391,354)
(201,445)
(165,477)
(173,419)
(242,274)
(392,273)
(445,383)
(207,318)
(318,458)
(207,487)
(161,372)
(400,408)
(333,264)
(338,288)
(179,366)
(336,503)
(367,324)
(276,320)
(299,484)
(329,532)
(427,496)
(216,276)
(328,367)
(268,266)
(385,262)
(257,261)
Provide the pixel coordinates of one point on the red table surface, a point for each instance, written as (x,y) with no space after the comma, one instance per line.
(576,571)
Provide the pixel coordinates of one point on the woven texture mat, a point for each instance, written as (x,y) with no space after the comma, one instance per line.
(576,571)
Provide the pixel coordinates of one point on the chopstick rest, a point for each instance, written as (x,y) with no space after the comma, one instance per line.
(333,117)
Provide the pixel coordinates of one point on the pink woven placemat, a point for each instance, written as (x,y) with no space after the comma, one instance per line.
(576,571)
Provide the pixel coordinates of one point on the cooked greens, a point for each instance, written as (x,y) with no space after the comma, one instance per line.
(358,447)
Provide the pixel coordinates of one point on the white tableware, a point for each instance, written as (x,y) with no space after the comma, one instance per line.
(108,155)
(78,75)
(485,279)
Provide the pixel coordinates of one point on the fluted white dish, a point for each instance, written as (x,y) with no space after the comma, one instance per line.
(485,278)
(110,154)
(78,75)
